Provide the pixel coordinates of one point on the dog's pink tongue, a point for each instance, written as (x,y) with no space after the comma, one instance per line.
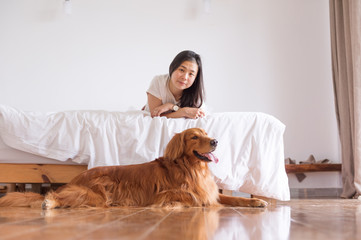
(212,157)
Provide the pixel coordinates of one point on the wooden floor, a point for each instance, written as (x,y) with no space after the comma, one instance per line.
(297,219)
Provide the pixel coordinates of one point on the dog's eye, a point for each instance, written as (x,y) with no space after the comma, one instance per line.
(195,137)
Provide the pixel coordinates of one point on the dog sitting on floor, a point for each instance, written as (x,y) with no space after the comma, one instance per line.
(180,178)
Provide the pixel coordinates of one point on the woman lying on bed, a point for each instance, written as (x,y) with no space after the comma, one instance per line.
(179,93)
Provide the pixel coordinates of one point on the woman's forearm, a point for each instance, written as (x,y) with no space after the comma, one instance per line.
(185,112)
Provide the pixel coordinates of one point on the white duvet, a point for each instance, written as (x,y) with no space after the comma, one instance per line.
(250,145)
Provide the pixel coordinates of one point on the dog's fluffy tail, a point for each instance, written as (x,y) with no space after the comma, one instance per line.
(17,199)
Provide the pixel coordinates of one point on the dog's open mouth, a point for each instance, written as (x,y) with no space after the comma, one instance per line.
(208,157)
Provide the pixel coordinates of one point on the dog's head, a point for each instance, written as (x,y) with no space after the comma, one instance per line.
(193,143)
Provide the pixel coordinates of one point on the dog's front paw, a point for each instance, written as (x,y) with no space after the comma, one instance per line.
(255,202)
(49,204)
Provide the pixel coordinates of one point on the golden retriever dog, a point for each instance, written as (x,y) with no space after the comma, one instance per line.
(179,178)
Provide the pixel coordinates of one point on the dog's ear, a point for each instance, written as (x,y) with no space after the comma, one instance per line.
(175,147)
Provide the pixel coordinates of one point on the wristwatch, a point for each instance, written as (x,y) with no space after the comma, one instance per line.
(175,108)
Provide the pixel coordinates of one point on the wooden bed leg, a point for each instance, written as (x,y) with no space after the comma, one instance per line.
(11,187)
(36,187)
(20,187)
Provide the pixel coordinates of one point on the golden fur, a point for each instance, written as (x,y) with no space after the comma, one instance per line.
(180,178)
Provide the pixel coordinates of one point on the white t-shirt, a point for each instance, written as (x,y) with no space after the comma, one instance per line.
(159,89)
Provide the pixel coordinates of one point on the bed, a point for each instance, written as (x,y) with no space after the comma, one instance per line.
(250,149)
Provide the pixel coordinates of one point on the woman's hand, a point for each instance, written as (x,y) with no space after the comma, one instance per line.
(193,113)
(157,111)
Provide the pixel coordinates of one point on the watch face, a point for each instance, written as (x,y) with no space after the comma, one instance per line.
(175,108)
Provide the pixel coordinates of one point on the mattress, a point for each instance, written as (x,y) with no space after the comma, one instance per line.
(12,155)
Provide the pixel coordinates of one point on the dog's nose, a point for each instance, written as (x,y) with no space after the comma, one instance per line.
(214,143)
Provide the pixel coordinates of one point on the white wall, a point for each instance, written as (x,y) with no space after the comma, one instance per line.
(261,55)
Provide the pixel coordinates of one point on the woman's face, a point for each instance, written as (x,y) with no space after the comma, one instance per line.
(183,77)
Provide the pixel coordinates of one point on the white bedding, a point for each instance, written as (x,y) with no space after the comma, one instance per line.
(12,155)
(250,148)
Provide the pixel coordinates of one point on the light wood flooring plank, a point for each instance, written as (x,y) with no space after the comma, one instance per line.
(296,219)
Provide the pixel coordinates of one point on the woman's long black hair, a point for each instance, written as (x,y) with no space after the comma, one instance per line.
(194,95)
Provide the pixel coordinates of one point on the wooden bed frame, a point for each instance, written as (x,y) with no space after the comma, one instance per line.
(38,173)
(52,173)
(12,174)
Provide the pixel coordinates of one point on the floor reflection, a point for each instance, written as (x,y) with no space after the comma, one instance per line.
(227,223)
(157,223)
(331,219)
(241,223)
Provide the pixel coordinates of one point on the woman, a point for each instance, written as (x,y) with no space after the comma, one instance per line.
(179,93)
